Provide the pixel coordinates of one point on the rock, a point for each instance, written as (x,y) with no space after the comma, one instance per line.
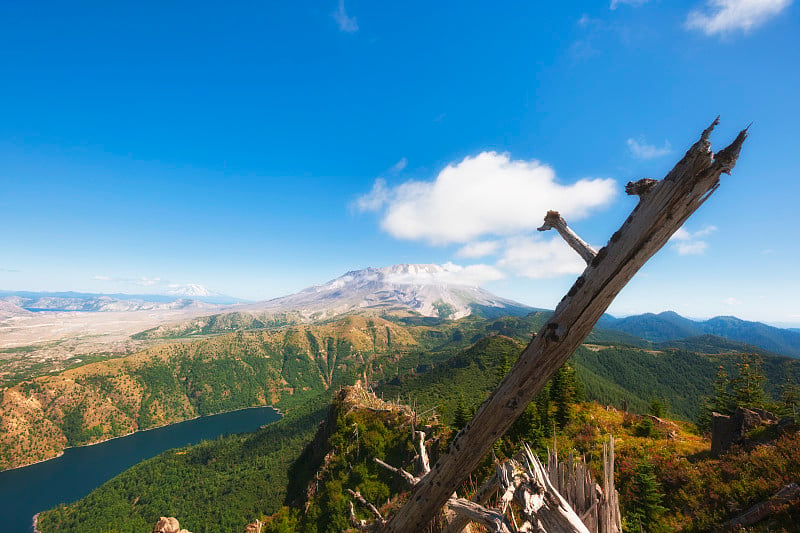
(787,425)
(727,430)
(168,525)
(723,433)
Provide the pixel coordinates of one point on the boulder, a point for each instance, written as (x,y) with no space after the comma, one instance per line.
(168,525)
(729,429)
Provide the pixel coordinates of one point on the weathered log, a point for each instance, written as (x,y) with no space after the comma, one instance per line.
(659,214)
(491,519)
(787,495)
(461,521)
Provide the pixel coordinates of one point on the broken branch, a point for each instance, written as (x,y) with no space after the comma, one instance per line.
(555,220)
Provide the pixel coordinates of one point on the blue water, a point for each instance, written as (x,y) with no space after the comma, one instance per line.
(29,490)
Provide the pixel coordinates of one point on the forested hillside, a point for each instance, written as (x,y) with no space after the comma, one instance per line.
(673,381)
(40,417)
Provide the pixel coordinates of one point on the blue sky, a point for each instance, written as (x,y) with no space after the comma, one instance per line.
(260,147)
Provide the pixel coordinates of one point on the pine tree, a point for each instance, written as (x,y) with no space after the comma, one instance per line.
(644,506)
(748,386)
(563,394)
(790,400)
(503,368)
(542,401)
(461,414)
(657,407)
(721,402)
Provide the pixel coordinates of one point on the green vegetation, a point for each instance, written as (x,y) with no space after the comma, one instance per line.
(215,487)
(448,367)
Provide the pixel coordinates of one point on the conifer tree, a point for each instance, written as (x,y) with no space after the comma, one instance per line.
(563,394)
(644,506)
(657,407)
(461,414)
(748,386)
(790,400)
(720,402)
(503,368)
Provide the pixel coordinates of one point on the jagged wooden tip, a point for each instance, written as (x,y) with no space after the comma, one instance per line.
(554,220)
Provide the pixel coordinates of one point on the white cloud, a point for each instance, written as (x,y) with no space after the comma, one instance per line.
(640,149)
(374,199)
(586,21)
(472,275)
(141,281)
(732,301)
(488,194)
(634,3)
(346,23)
(689,243)
(535,257)
(478,249)
(691,247)
(725,16)
(399,166)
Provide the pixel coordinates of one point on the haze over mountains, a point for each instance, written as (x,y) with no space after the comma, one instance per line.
(438,292)
(176,297)
(121,323)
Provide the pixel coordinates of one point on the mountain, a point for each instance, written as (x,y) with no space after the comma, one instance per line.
(10,310)
(660,327)
(433,292)
(198,292)
(670,326)
(174,382)
(179,297)
(427,290)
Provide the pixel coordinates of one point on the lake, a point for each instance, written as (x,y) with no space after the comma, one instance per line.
(31,489)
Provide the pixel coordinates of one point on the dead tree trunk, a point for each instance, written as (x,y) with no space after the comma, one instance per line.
(597,507)
(663,208)
(778,502)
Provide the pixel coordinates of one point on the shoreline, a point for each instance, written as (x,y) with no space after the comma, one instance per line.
(59,454)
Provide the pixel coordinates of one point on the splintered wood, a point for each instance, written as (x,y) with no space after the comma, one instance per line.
(663,207)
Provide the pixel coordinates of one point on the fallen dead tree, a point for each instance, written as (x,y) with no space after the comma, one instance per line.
(788,495)
(662,209)
(522,483)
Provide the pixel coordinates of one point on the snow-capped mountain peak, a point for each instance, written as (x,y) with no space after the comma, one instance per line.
(445,291)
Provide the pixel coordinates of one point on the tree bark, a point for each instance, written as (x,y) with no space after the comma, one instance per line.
(660,212)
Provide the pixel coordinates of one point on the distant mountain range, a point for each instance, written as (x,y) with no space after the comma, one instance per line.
(178,298)
(670,326)
(434,291)
(406,290)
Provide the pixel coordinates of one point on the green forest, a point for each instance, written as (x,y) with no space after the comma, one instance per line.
(223,484)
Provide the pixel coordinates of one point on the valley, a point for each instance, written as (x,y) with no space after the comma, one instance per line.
(297,353)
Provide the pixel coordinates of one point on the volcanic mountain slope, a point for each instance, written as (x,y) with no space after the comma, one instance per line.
(429,290)
(438,291)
